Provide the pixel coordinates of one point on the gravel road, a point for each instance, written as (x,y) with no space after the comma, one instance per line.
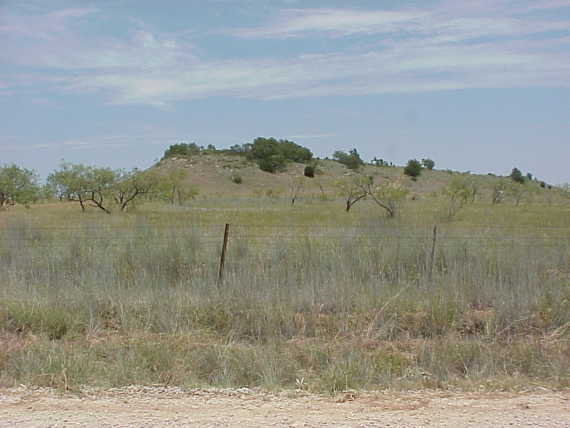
(159,406)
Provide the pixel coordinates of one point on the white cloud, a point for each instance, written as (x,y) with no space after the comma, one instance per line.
(297,22)
(487,44)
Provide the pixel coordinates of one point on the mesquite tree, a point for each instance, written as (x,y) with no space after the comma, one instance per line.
(17,185)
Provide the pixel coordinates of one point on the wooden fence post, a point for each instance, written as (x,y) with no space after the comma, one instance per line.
(223,256)
(432,258)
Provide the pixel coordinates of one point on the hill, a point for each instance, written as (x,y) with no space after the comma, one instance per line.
(212,173)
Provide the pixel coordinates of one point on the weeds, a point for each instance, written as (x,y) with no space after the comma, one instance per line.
(119,301)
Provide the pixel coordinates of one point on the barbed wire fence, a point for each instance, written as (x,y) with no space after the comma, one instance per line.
(217,238)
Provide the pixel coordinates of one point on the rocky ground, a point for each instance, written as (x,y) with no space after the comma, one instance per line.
(158,406)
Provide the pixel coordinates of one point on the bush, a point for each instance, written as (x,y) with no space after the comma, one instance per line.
(236,178)
(516,176)
(413,168)
(272,164)
(182,149)
(309,171)
(351,160)
(273,155)
(428,164)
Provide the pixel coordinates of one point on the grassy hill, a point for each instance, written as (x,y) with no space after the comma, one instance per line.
(212,173)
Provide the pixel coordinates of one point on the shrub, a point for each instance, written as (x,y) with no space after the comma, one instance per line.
(351,160)
(182,149)
(517,176)
(236,178)
(413,168)
(272,164)
(273,155)
(428,164)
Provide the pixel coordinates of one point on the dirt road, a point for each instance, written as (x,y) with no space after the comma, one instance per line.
(154,407)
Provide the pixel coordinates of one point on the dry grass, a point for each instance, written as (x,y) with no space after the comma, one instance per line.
(313,298)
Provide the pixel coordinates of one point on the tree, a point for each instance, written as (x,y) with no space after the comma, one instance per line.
(130,185)
(518,191)
(428,164)
(351,160)
(309,171)
(387,194)
(413,168)
(18,185)
(71,182)
(171,187)
(459,193)
(76,182)
(498,191)
(352,190)
(273,155)
(517,176)
(182,149)
(380,162)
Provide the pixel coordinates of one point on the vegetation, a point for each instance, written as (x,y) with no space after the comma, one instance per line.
(309,171)
(103,187)
(182,149)
(386,194)
(351,160)
(236,178)
(517,176)
(428,164)
(17,185)
(413,168)
(313,297)
(273,155)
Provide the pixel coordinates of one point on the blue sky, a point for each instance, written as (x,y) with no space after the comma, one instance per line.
(475,85)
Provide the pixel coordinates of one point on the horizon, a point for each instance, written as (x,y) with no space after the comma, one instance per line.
(481,87)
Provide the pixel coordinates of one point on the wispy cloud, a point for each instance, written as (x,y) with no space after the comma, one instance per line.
(301,22)
(458,45)
(9,143)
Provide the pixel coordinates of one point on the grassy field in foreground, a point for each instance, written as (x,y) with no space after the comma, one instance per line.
(312,298)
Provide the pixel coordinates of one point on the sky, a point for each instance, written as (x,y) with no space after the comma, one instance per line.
(481,86)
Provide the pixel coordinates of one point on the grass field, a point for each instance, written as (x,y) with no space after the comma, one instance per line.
(312,298)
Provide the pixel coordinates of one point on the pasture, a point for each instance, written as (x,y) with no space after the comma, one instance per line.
(312,297)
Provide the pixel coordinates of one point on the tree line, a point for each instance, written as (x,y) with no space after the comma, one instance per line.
(104,188)
(118,189)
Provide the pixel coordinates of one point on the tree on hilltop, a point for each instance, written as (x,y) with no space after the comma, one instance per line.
(351,160)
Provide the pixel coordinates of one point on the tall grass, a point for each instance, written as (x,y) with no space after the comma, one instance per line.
(135,299)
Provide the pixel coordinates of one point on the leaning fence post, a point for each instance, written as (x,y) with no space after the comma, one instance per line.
(432,258)
(223,256)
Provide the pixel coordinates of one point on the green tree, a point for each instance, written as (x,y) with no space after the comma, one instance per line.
(71,182)
(352,190)
(132,185)
(309,171)
(386,194)
(81,183)
(428,164)
(351,160)
(182,149)
(413,168)
(172,187)
(273,155)
(517,176)
(18,185)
